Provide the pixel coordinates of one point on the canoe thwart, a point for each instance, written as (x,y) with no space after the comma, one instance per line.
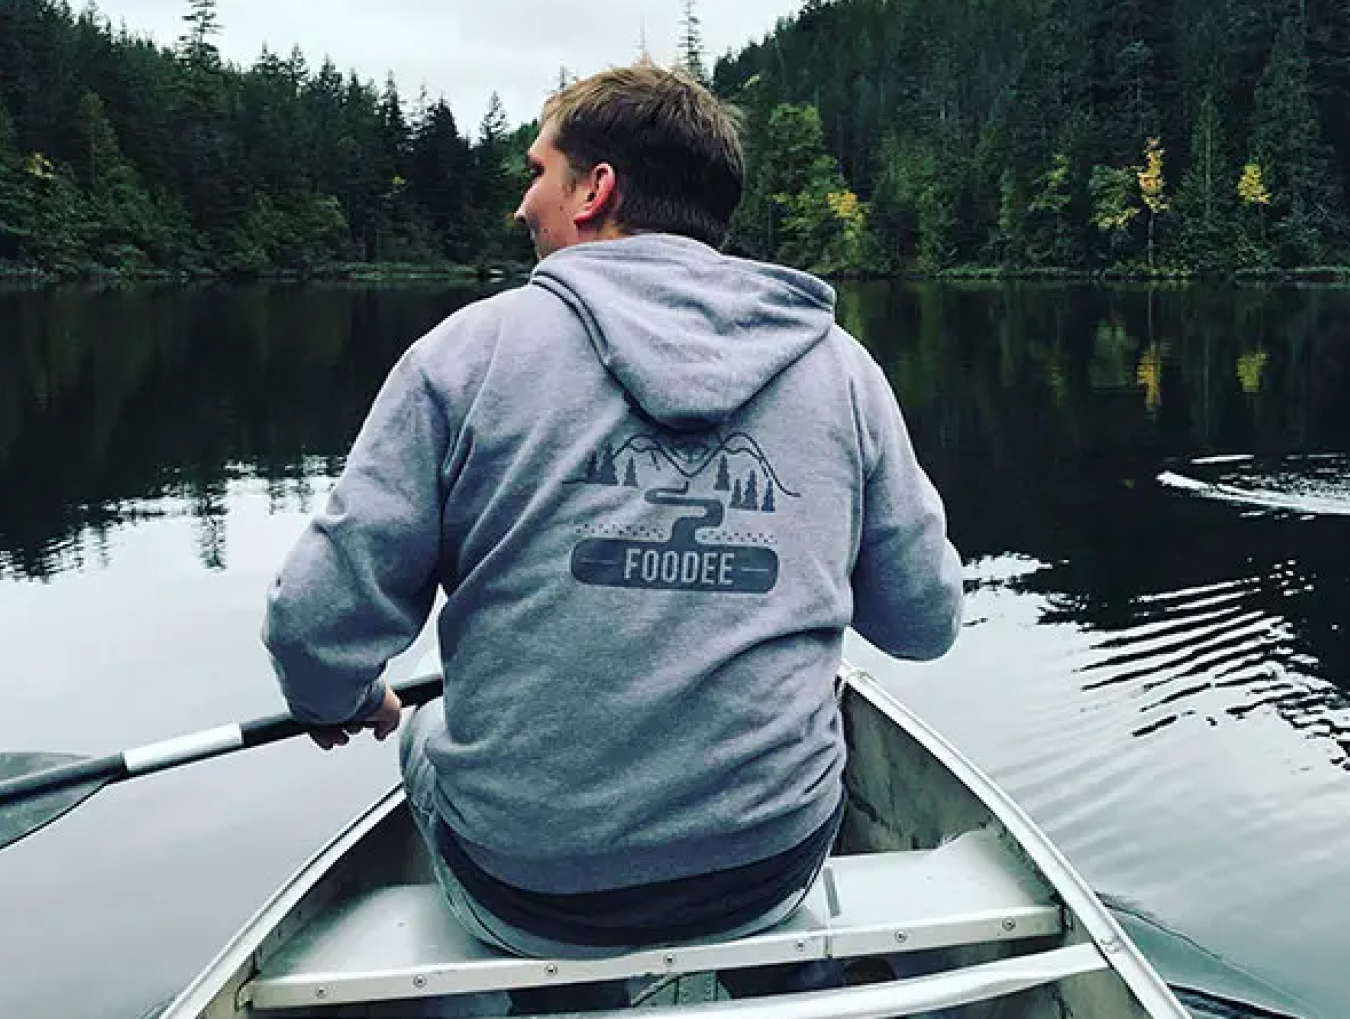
(402,941)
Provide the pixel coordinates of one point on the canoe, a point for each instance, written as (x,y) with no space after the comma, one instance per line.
(942,895)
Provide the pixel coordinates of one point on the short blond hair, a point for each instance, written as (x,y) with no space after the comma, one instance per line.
(673,145)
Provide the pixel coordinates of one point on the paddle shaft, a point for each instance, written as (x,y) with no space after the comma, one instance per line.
(184,749)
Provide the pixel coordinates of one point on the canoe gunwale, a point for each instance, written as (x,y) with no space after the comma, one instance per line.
(1082,903)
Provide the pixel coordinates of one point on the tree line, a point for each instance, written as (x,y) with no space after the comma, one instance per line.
(118,154)
(1137,136)
(882,137)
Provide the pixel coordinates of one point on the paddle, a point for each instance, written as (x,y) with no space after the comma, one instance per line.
(36,789)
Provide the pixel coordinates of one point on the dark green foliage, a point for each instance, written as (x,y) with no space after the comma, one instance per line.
(119,155)
(1287,141)
(1206,202)
(972,130)
(881,136)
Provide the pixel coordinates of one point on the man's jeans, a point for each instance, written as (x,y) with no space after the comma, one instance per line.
(419,780)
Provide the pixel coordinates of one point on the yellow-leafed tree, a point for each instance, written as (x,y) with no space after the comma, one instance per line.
(1251,189)
(1152,187)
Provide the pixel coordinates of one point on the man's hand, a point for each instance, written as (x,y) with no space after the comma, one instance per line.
(384,721)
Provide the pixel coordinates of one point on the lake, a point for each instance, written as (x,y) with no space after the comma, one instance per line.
(1150,487)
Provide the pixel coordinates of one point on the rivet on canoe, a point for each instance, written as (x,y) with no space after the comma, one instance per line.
(1010,925)
(419,981)
(801,946)
(551,970)
(321,992)
(670,959)
(901,937)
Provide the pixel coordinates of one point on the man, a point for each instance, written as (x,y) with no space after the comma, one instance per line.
(655,484)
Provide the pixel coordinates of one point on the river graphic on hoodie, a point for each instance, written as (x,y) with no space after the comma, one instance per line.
(722,494)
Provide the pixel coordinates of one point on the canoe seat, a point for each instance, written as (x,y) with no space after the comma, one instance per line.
(403,942)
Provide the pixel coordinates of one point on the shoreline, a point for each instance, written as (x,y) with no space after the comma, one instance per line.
(349,272)
(412,272)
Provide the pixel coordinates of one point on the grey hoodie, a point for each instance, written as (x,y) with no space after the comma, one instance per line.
(656,485)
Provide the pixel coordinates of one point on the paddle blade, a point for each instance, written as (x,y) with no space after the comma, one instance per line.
(20,819)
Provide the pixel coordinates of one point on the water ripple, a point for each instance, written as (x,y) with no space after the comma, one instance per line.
(1220,652)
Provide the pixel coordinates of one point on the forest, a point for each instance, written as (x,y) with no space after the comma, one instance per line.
(120,156)
(1091,138)
(1141,137)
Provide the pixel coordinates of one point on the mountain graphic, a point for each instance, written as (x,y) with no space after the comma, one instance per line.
(692,457)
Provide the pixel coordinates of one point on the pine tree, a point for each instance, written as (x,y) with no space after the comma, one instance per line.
(752,491)
(691,44)
(1287,141)
(1049,211)
(493,129)
(1205,200)
(769,505)
(608,472)
(723,476)
(630,478)
(203,25)
(15,201)
(123,225)
(438,179)
(494,193)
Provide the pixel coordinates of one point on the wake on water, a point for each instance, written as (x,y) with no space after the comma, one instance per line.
(1307,485)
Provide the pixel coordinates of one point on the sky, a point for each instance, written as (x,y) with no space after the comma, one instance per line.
(461,50)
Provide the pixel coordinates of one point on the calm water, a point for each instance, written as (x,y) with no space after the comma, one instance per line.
(1150,489)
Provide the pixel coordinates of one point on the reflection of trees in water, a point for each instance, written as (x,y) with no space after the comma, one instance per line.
(209,511)
(113,397)
(1026,404)
(1031,395)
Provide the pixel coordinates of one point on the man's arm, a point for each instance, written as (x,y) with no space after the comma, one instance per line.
(907,582)
(359,584)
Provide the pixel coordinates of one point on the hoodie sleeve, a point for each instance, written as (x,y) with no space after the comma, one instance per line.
(358,586)
(907,581)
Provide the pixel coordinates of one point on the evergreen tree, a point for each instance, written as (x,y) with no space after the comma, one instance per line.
(607,472)
(691,43)
(1287,142)
(1205,199)
(14,197)
(495,194)
(438,178)
(1049,213)
(197,44)
(124,229)
(723,476)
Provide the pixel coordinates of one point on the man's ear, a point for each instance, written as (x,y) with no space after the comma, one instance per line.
(600,196)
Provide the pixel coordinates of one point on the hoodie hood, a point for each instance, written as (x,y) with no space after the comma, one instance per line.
(692,335)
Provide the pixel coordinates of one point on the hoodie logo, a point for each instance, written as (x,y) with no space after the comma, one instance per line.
(725,491)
